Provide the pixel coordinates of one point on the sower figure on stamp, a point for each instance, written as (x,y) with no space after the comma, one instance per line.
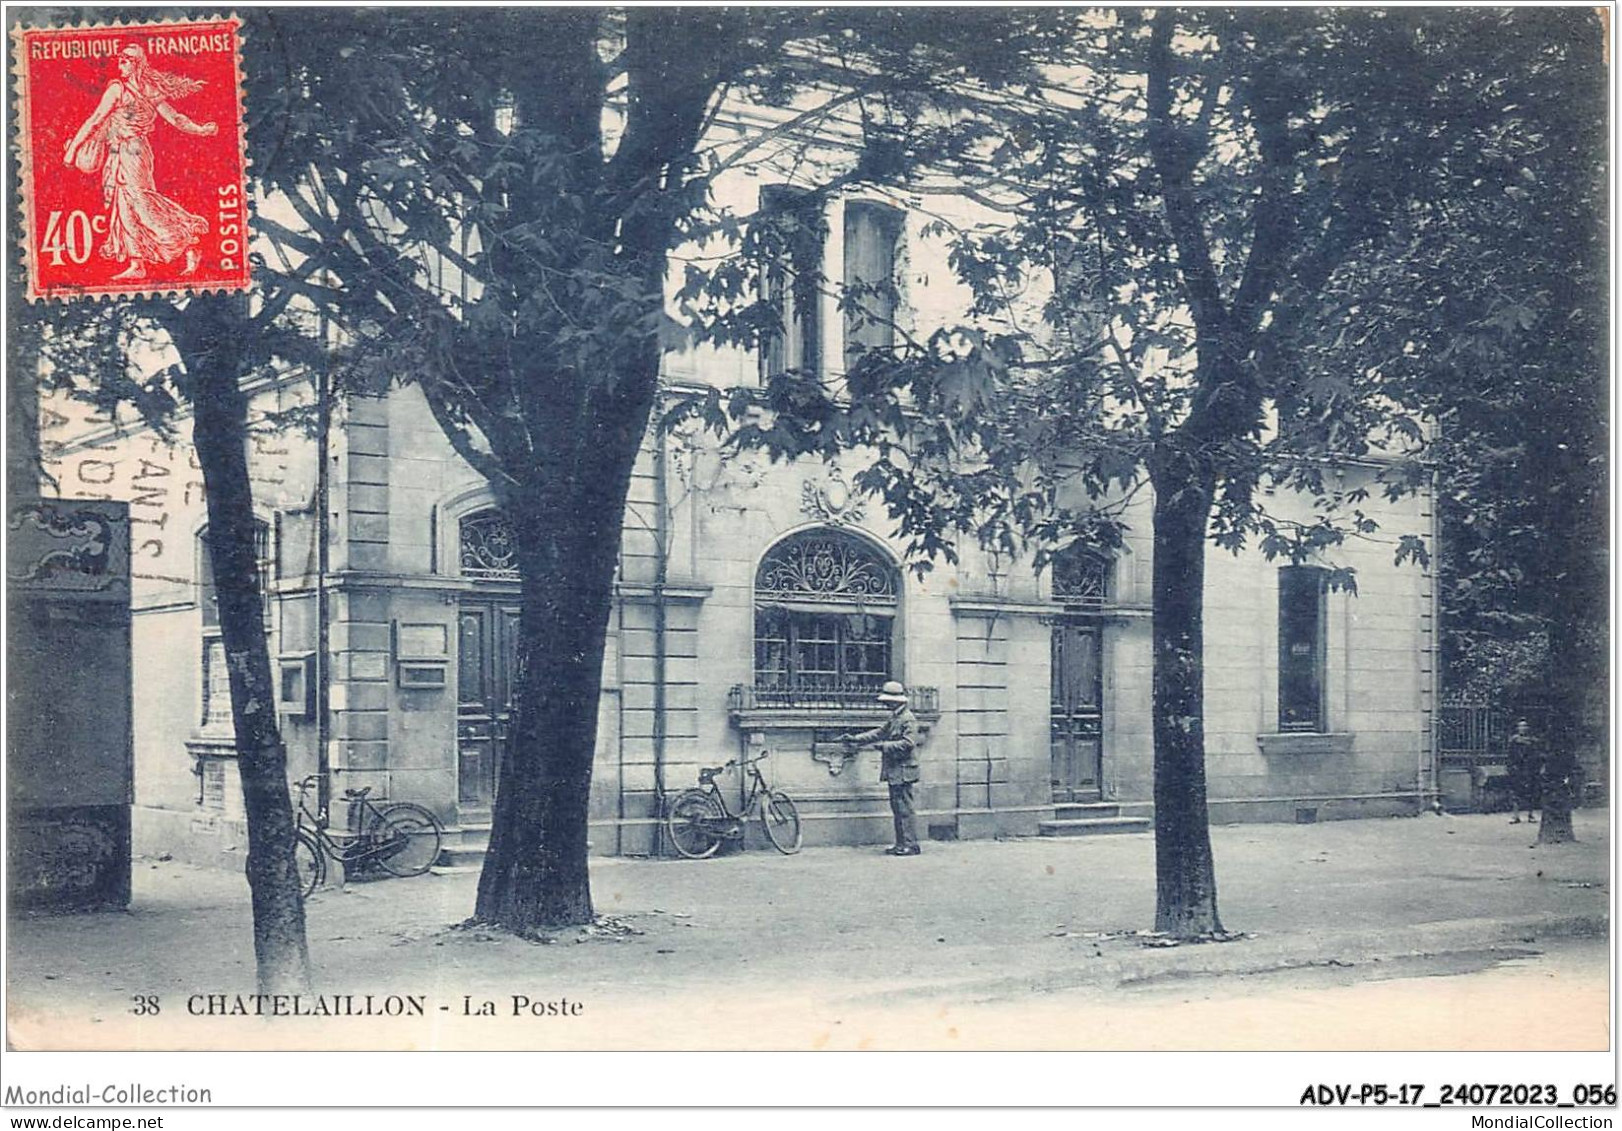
(143,225)
(1525,769)
(896,739)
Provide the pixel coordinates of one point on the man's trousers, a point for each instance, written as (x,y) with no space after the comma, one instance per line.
(905,813)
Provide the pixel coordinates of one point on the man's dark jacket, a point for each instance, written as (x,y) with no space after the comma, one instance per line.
(897,740)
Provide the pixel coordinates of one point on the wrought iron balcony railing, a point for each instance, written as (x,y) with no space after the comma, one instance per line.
(837,697)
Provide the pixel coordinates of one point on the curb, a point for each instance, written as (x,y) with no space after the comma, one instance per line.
(1123,963)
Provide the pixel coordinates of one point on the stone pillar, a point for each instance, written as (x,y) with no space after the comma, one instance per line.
(359,525)
(982,718)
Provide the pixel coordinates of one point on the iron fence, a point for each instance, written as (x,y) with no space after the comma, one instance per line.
(1472,728)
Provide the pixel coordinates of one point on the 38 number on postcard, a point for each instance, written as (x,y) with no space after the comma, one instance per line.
(132,165)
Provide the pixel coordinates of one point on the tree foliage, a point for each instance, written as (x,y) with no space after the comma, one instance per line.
(1493,304)
(153,360)
(1227,235)
(528,174)
(1498,282)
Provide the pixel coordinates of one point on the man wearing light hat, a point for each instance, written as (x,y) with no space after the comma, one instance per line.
(897,742)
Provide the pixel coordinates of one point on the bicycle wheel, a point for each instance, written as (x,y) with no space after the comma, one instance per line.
(408,838)
(689,821)
(310,861)
(781,819)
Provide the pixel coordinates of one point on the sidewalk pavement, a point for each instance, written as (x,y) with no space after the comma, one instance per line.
(703,953)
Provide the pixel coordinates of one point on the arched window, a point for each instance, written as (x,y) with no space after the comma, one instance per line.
(825,607)
(487,548)
(1081,576)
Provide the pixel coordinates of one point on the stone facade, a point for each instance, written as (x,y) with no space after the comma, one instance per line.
(974,641)
(419,607)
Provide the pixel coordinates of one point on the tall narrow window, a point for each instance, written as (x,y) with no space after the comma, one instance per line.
(216,705)
(872,232)
(1302,651)
(207,599)
(825,605)
(791,242)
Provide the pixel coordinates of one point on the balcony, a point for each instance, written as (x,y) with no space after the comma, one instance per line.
(783,706)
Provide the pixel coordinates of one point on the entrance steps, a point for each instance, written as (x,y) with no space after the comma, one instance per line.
(1092,818)
(464,845)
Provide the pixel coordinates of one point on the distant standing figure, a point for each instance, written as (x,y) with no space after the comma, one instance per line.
(1525,769)
(896,739)
(143,225)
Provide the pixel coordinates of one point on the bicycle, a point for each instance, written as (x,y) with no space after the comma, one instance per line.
(699,819)
(401,837)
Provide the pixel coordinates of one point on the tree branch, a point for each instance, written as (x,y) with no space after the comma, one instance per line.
(1274,217)
(485,463)
(1174,166)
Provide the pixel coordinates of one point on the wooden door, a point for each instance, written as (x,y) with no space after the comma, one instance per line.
(1077,712)
(487,644)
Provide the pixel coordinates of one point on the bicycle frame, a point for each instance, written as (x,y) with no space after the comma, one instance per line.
(751,803)
(757,790)
(348,848)
(698,819)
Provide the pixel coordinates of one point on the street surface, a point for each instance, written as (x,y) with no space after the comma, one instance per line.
(1413,933)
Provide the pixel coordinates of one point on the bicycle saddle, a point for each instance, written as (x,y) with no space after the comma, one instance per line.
(705,777)
(357,794)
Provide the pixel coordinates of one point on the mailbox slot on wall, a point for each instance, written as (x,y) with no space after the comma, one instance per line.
(422,656)
(295,694)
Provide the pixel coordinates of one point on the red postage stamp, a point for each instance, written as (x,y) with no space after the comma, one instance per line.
(132,164)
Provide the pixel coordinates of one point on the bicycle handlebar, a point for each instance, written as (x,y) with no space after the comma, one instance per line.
(713,770)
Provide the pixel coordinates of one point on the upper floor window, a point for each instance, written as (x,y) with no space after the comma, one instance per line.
(872,236)
(791,241)
(1302,648)
(825,607)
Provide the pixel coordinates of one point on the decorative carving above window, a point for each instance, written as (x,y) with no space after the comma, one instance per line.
(826,566)
(488,548)
(1081,577)
(832,500)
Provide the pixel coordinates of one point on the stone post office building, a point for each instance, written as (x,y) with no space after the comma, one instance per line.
(759,606)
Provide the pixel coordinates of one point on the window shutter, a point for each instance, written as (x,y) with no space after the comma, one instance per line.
(871,235)
(790,279)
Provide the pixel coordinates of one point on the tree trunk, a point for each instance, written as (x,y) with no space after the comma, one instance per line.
(568,518)
(220,435)
(1559,799)
(1185,875)
(1567,731)
(1574,517)
(535,872)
